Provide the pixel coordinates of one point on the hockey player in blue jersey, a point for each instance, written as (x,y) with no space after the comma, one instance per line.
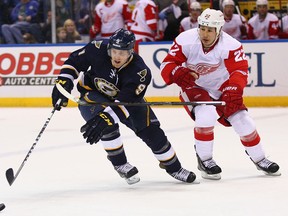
(112,72)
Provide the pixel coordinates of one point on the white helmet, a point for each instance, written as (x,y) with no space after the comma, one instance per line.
(212,18)
(195,6)
(261,2)
(228,2)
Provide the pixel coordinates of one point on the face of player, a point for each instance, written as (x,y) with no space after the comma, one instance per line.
(208,35)
(262,11)
(119,57)
(228,11)
(195,13)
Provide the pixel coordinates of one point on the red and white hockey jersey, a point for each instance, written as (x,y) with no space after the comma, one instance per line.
(110,17)
(284,27)
(224,62)
(232,27)
(263,30)
(187,23)
(144,18)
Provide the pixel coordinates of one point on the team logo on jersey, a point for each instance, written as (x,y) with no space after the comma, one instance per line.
(204,68)
(106,87)
(142,75)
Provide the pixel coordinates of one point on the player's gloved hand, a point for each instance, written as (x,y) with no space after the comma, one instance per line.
(56,95)
(232,95)
(93,31)
(94,128)
(184,77)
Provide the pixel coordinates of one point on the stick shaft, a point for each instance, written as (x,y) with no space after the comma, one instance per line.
(9,173)
(159,103)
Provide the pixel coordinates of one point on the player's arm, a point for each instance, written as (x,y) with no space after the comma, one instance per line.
(172,70)
(151,17)
(133,91)
(273,29)
(232,90)
(250,33)
(96,26)
(77,61)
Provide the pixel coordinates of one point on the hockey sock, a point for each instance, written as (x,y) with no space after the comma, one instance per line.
(112,144)
(155,138)
(204,139)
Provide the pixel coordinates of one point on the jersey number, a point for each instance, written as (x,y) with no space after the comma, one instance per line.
(239,55)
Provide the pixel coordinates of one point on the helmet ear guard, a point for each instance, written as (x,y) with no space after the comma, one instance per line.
(122,39)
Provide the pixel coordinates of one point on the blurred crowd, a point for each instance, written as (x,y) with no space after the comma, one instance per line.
(29,21)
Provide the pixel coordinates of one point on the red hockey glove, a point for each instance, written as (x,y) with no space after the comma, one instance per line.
(184,77)
(232,95)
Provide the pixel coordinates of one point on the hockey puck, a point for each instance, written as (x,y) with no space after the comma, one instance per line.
(2,206)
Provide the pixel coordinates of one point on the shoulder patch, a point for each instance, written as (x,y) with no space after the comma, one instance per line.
(97,43)
(142,75)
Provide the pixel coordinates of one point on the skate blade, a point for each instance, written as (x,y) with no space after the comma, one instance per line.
(273,174)
(210,176)
(133,179)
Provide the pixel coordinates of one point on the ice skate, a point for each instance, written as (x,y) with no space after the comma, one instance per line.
(128,172)
(184,175)
(268,167)
(209,169)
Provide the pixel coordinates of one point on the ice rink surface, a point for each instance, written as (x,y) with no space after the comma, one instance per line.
(64,176)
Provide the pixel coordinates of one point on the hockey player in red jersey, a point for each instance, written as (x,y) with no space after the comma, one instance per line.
(114,73)
(192,20)
(208,64)
(144,21)
(235,24)
(110,15)
(263,25)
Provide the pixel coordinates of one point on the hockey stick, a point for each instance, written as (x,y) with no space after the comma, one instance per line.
(166,103)
(9,172)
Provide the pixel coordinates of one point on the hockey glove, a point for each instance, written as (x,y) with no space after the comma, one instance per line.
(184,77)
(68,85)
(94,128)
(232,95)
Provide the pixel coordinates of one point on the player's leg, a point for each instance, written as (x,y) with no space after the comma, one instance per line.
(146,126)
(112,142)
(245,127)
(205,117)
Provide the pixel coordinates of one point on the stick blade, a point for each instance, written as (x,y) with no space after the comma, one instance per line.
(10,176)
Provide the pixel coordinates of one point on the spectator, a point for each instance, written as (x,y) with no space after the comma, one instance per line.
(23,14)
(82,17)
(284,26)
(47,28)
(72,34)
(110,16)
(6,8)
(61,35)
(191,21)
(63,11)
(170,18)
(263,25)
(144,18)
(235,25)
